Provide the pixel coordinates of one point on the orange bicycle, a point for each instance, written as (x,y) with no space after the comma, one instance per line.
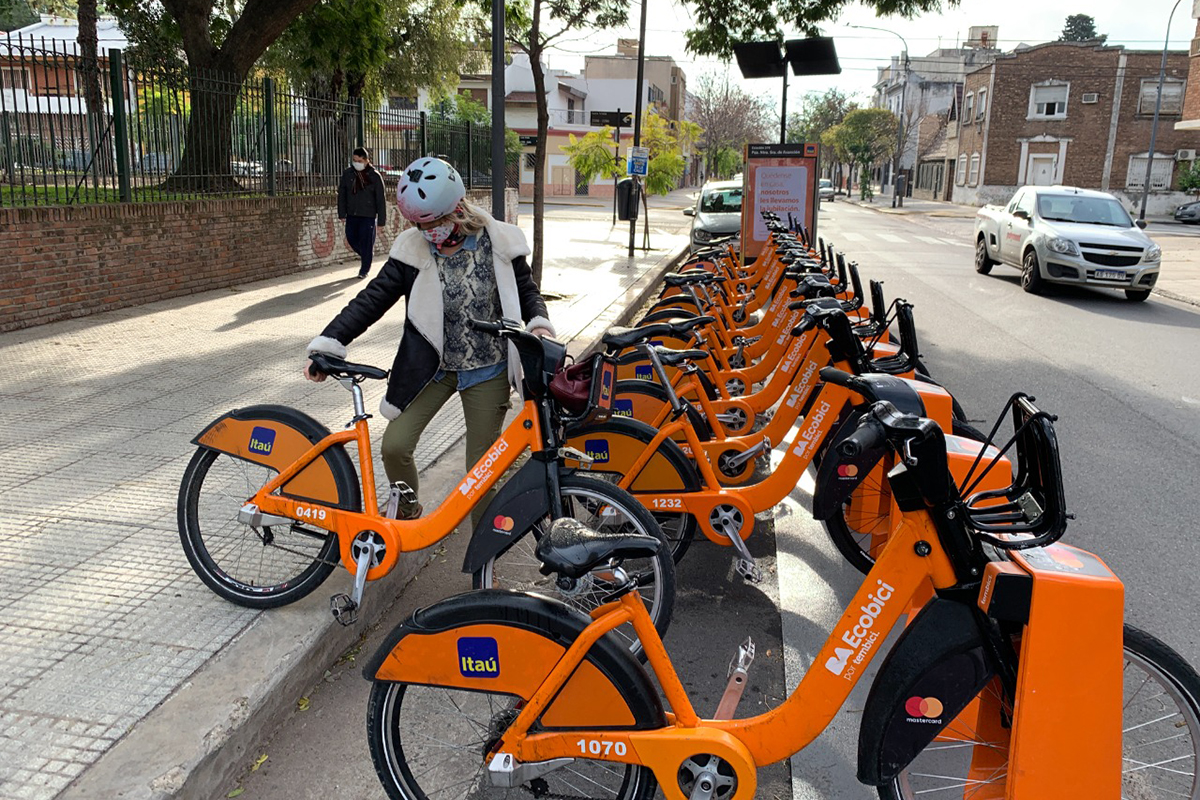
(271,502)
(1017,681)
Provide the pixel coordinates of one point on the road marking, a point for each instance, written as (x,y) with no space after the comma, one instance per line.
(888,237)
(854,237)
(931,240)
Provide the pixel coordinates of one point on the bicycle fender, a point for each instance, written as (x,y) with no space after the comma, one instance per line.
(519,503)
(934,671)
(275,437)
(502,641)
(617,443)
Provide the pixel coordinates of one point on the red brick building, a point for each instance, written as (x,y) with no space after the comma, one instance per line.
(1072,113)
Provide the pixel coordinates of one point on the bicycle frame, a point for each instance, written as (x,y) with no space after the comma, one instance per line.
(524,432)
(1059,714)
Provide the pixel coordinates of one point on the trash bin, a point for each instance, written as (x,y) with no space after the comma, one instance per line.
(627,199)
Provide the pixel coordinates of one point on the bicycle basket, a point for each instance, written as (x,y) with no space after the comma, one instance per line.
(585,390)
(1032,511)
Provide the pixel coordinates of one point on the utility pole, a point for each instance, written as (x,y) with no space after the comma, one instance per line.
(637,116)
(1162,73)
(498,165)
(901,133)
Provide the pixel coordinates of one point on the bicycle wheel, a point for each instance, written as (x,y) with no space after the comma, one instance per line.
(432,742)
(608,509)
(252,567)
(860,531)
(1160,748)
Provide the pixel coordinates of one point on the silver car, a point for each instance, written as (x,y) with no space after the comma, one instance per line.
(717,213)
(825,190)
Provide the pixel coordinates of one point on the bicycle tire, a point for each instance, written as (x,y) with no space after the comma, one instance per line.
(300,575)
(389,730)
(851,541)
(602,506)
(1180,732)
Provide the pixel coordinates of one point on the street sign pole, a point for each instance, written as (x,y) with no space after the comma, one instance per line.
(637,116)
(617,160)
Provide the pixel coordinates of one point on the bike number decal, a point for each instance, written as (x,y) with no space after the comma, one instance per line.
(596,747)
(668,502)
(305,512)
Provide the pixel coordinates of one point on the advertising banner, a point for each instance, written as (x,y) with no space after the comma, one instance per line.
(781,178)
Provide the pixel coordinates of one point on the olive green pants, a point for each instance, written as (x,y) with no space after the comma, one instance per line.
(484,407)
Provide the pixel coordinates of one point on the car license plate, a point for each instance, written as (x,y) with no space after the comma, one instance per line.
(1110,275)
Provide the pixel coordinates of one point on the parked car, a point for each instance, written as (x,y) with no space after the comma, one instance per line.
(1061,234)
(717,213)
(825,190)
(1188,213)
(246,168)
(156,163)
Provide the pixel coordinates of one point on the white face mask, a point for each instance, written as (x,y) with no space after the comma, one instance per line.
(436,236)
(359,165)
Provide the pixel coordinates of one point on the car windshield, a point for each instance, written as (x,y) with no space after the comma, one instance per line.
(826,183)
(1089,210)
(722,201)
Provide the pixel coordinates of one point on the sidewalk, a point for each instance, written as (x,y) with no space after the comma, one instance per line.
(121,675)
(931,208)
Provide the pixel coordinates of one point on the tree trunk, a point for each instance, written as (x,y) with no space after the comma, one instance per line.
(89,78)
(208,145)
(327,129)
(539,150)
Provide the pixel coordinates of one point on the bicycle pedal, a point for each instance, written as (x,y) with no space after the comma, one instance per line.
(748,570)
(344,610)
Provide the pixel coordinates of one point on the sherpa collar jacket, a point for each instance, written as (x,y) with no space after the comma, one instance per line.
(410,272)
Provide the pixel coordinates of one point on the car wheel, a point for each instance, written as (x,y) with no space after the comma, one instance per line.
(1031,274)
(1137,295)
(983,264)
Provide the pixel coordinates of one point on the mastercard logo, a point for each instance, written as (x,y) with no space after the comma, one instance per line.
(1065,557)
(847,470)
(503,523)
(927,707)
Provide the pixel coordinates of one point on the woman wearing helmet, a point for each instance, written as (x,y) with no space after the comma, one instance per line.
(455,264)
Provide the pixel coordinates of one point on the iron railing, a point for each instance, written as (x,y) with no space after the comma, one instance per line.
(78,130)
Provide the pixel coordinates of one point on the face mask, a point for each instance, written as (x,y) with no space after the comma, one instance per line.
(437,236)
(360,166)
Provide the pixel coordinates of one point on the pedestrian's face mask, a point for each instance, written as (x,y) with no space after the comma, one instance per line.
(438,235)
(360,165)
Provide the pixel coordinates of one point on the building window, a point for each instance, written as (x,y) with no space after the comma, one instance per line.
(571,111)
(12,78)
(402,103)
(530,160)
(1160,172)
(981,105)
(1048,100)
(973,178)
(1172,96)
(969,106)
(960,176)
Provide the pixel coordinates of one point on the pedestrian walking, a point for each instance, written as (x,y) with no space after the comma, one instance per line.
(361,203)
(456,264)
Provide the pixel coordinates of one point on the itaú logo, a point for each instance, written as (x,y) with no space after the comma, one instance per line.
(860,639)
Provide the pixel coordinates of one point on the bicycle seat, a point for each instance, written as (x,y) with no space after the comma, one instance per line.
(673,358)
(683,326)
(340,368)
(572,549)
(620,338)
(691,278)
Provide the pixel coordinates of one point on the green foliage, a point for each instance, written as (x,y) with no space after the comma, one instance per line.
(16,14)
(666,154)
(722,23)
(1080,28)
(818,113)
(594,155)
(865,137)
(725,163)
(330,50)
(1189,179)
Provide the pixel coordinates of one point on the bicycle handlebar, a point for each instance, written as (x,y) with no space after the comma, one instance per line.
(868,436)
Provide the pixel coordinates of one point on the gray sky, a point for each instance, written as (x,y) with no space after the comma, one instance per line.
(1136,26)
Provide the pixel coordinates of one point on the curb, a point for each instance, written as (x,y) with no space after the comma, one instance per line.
(285,651)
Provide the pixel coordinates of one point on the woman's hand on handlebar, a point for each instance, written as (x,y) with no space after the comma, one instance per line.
(543,332)
(311,374)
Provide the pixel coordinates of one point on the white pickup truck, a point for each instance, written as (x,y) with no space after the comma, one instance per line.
(1060,234)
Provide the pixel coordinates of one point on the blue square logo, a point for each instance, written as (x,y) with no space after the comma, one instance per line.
(262,441)
(597,449)
(623,408)
(478,657)
(643,372)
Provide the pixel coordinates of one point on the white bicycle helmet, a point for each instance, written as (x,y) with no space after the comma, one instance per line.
(429,189)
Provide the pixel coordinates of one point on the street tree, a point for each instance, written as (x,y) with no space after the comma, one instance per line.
(16,14)
(222,42)
(719,24)
(594,155)
(342,50)
(730,117)
(533,26)
(1081,28)
(1189,179)
(818,113)
(864,138)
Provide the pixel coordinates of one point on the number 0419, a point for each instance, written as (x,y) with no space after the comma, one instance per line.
(596,747)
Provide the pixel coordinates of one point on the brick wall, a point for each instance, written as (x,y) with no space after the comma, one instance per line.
(1191,98)
(71,261)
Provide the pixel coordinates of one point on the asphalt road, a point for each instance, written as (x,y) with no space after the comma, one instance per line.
(1122,378)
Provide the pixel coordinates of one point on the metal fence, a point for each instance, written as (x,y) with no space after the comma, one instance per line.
(78,130)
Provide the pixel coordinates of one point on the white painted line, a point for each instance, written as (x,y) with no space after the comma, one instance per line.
(854,237)
(888,237)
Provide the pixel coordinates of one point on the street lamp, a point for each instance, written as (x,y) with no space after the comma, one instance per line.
(901,134)
(815,55)
(1162,72)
